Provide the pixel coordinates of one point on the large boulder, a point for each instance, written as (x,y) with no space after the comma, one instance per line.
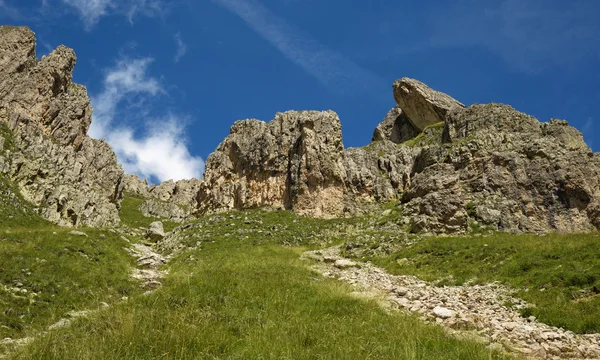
(293,162)
(71,178)
(423,105)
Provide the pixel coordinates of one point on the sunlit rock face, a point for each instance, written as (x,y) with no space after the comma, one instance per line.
(71,178)
(292,162)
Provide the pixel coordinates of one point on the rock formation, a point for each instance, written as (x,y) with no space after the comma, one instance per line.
(396,127)
(71,178)
(423,105)
(448,167)
(293,162)
(176,201)
(482,166)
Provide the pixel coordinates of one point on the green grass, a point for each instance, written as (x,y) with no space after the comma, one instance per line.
(250,298)
(431,135)
(132,217)
(7,134)
(558,274)
(45,272)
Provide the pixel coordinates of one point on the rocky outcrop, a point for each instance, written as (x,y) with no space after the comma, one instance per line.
(293,162)
(450,167)
(395,127)
(509,171)
(176,201)
(134,186)
(423,105)
(485,166)
(71,178)
(378,173)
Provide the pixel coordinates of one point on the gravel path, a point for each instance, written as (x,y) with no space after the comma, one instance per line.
(476,310)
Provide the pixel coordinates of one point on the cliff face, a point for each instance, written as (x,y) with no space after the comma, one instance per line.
(293,162)
(72,179)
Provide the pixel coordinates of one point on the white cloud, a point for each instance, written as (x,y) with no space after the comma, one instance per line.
(160,154)
(126,80)
(91,11)
(181,48)
(327,66)
(160,151)
(529,34)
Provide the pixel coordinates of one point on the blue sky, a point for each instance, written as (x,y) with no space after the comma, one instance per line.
(167,78)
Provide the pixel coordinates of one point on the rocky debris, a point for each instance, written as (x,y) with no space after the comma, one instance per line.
(442,312)
(423,105)
(155,231)
(150,262)
(477,310)
(293,162)
(73,179)
(395,127)
(344,264)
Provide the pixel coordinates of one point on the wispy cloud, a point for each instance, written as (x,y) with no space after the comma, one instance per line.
(91,11)
(532,35)
(158,150)
(9,11)
(330,68)
(181,48)
(149,8)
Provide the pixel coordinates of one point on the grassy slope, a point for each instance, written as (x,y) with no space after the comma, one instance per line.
(132,217)
(45,272)
(558,274)
(242,294)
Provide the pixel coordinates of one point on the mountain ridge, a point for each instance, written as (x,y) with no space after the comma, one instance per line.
(450,168)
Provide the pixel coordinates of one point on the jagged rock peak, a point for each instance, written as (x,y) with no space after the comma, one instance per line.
(71,178)
(292,162)
(423,105)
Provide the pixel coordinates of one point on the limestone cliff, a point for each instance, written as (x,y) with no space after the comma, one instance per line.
(71,178)
(293,162)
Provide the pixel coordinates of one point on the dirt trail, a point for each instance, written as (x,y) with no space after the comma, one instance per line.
(476,311)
